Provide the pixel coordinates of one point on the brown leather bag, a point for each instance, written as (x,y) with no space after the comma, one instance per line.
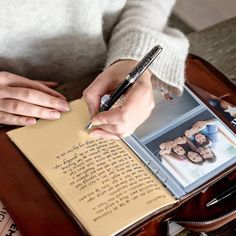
(37,211)
(208,84)
(213,88)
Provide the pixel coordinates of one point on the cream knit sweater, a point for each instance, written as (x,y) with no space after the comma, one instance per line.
(72,39)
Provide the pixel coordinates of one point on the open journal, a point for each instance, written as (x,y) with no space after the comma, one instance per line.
(102,182)
(111,186)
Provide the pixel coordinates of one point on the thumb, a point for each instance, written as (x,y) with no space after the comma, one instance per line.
(94,92)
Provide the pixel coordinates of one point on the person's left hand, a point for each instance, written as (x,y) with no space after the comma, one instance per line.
(125,116)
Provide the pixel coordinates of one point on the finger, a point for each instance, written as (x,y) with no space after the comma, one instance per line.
(99,133)
(11,119)
(121,130)
(51,84)
(27,109)
(140,93)
(114,117)
(19,81)
(129,111)
(34,97)
(95,91)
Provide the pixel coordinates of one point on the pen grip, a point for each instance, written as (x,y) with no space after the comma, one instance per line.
(115,96)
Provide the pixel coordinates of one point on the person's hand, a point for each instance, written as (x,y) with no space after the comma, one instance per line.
(198,126)
(23,100)
(166,146)
(180,140)
(125,116)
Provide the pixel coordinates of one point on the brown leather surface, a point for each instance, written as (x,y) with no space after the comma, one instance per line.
(207,82)
(37,211)
(195,209)
(202,75)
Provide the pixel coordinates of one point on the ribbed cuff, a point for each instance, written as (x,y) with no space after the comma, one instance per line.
(169,66)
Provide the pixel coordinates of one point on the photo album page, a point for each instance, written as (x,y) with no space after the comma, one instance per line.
(188,140)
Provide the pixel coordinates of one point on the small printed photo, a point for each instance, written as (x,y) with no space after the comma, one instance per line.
(196,148)
(196,145)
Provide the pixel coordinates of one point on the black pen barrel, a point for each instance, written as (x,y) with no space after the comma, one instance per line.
(227,193)
(116,95)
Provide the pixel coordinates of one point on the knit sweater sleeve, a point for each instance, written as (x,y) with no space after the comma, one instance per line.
(142,25)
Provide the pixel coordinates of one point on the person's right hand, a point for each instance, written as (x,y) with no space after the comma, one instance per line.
(23,100)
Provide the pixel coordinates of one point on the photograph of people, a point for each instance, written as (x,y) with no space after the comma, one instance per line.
(196,148)
(207,154)
(174,148)
(180,149)
(195,145)
(203,133)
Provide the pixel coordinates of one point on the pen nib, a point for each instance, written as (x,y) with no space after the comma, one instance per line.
(89,126)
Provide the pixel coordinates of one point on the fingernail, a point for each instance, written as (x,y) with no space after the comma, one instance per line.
(64,106)
(54,114)
(96,122)
(30,121)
